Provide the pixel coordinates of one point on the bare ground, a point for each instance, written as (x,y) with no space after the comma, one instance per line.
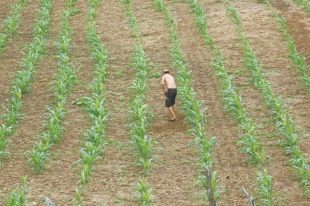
(174,170)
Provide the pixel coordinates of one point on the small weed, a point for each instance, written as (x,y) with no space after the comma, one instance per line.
(120,73)
(154,75)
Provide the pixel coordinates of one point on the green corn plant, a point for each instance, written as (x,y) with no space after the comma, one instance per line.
(298,61)
(266,195)
(23,2)
(38,156)
(17,196)
(159,5)
(85,174)
(305,5)
(201,183)
(2,41)
(12,21)
(144,195)
(4,133)
(78,197)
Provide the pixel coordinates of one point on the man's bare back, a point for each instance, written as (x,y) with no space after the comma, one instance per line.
(169,81)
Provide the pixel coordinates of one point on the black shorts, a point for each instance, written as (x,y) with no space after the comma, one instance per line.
(170,97)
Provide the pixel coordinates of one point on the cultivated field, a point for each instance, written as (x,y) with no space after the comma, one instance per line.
(83,120)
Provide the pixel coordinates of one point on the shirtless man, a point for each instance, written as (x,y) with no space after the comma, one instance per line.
(170,94)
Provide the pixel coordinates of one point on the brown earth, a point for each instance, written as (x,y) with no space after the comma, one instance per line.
(174,171)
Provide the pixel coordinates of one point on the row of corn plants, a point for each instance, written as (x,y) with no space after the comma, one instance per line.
(305,4)
(17,196)
(234,105)
(95,137)
(190,106)
(65,78)
(11,23)
(299,61)
(284,124)
(24,77)
(139,114)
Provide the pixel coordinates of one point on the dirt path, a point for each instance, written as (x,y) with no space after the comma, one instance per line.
(12,55)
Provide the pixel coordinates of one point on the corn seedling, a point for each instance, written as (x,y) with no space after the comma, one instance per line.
(144,195)
(11,23)
(266,195)
(78,197)
(305,4)
(17,196)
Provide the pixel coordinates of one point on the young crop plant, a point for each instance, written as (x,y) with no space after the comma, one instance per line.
(11,23)
(17,196)
(190,106)
(304,3)
(144,195)
(23,78)
(284,124)
(64,79)
(264,192)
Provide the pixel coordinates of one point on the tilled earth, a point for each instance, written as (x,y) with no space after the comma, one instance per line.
(174,171)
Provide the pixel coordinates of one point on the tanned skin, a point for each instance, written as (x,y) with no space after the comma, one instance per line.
(169,81)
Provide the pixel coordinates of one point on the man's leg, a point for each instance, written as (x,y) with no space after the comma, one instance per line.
(172,115)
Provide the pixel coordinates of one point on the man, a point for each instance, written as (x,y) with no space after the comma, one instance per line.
(170,94)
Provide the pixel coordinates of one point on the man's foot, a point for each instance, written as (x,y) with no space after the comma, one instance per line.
(173,120)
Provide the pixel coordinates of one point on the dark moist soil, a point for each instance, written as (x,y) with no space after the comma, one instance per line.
(174,170)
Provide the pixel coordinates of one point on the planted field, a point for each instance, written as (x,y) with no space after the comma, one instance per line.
(83,120)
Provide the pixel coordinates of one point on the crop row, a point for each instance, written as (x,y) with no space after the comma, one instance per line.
(23,78)
(95,137)
(297,59)
(305,4)
(138,114)
(11,23)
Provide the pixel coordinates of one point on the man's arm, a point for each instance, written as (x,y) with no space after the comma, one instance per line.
(163,84)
